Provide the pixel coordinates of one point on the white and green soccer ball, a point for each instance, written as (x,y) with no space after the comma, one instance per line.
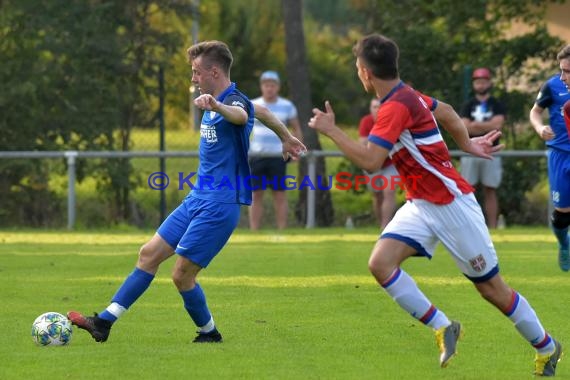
(51,329)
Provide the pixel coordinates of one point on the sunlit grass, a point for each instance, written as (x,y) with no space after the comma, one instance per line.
(299,304)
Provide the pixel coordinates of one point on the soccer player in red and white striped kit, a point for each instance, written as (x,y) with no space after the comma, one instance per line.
(441,207)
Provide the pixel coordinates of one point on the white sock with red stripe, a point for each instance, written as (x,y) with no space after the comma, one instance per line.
(404,290)
(528,325)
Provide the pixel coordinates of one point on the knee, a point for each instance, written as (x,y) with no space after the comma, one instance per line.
(182,279)
(148,258)
(380,268)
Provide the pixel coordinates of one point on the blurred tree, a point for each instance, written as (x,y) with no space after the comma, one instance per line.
(436,45)
(254,33)
(78,75)
(298,71)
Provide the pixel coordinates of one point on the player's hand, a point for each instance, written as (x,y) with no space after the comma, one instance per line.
(546,133)
(293,149)
(323,122)
(206,102)
(483,147)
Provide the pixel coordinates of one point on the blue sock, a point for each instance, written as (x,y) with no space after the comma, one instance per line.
(562,236)
(133,287)
(195,305)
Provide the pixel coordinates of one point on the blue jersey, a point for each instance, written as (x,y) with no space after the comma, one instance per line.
(223,167)
(553,95)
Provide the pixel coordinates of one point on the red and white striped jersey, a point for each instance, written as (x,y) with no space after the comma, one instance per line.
(406,127)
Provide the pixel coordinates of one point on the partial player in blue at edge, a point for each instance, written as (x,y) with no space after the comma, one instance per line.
(552,96)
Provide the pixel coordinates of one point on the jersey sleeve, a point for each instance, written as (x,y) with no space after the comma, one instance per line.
(237,101)
(544,98)
(365,126)
(431,102)
(393,118)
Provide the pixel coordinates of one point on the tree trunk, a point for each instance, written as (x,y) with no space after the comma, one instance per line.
(300,89)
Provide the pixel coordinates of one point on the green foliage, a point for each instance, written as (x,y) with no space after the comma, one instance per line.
(436,46)
(79,76)
(82,74)
(333,74)
(254,33)
(522,176)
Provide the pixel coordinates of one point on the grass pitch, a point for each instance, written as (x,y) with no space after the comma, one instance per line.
(299,305)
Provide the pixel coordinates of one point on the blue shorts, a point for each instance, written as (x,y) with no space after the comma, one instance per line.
(559,177)
(198,229)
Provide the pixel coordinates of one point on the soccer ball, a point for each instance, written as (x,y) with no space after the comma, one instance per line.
(51,329)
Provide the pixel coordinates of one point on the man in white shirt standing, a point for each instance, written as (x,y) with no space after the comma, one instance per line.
(269,172)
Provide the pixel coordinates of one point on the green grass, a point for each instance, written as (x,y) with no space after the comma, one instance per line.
(300,305)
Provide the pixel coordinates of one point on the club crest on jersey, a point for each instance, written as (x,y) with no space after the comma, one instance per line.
(478,263)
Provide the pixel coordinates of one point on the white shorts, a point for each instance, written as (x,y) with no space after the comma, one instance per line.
(461,228)
(381,179)
(477,169)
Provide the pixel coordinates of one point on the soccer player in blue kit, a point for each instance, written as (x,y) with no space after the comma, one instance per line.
(553,94)
(199,228)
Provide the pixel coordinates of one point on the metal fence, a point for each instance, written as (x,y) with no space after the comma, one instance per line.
(311,158)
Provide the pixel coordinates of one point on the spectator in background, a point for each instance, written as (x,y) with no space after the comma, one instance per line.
(383,195)
(554,95)
(481,114)
(269,171)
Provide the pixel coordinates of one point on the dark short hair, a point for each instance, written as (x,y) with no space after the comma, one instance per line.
(380,54)
(564,53)
(213,53)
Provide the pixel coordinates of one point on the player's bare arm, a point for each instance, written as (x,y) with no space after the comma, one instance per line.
(370,157)
(296,126)
(544,131)
(450,120)
(233,114)
(292,147)
(478,146)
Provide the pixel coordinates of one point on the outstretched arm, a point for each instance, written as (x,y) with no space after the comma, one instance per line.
(478,146)
(370,157)
(292,147)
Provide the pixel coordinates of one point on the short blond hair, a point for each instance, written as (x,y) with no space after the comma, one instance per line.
(213,53)
(564,53)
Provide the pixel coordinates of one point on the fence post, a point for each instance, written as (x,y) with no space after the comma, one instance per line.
(71,157)
(311,194)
